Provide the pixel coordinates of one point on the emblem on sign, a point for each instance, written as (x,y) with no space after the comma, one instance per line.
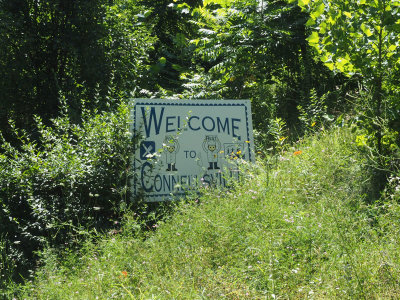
(147,148)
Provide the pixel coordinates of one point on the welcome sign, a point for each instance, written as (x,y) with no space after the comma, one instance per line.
(185,144)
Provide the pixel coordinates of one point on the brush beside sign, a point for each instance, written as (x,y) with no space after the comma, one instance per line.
(185,144)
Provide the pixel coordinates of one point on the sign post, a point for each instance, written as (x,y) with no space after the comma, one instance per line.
(185,144)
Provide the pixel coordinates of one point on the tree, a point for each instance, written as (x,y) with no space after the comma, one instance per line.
(82,50)
(360,37)
(258,50)
(171,23)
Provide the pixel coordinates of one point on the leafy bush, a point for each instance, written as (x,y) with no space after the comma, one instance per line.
(70,178)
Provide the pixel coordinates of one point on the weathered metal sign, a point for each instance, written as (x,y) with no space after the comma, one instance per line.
(185,144)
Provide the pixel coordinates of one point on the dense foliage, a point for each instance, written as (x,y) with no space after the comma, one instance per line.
(67,69)
(81,50)
(298,230)
(362,38)
(73,179)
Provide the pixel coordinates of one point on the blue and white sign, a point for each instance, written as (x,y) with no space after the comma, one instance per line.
(186,144)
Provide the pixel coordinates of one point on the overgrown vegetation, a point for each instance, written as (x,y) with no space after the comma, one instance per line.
(91,50)
(300,229)
(50,187)
(322,221)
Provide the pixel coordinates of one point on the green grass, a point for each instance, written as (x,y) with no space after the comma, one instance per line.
(301,229)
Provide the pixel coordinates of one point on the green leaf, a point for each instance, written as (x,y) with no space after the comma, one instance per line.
(322,28)
(147,13)
(366,30)
(223,3)
(326,58)
(310,22)
(318,11)
(347,14)
(341,65)
(392,48)
(303,3)
(313,38)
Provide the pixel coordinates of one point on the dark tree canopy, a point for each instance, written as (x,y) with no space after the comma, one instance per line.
(78,50)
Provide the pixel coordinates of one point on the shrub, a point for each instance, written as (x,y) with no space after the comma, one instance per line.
(69,179)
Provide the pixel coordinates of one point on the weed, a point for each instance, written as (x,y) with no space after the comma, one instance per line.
(299,230)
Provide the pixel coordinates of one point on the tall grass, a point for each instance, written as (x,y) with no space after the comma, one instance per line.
(301,229)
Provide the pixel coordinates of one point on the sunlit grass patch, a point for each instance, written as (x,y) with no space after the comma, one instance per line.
(298,229)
